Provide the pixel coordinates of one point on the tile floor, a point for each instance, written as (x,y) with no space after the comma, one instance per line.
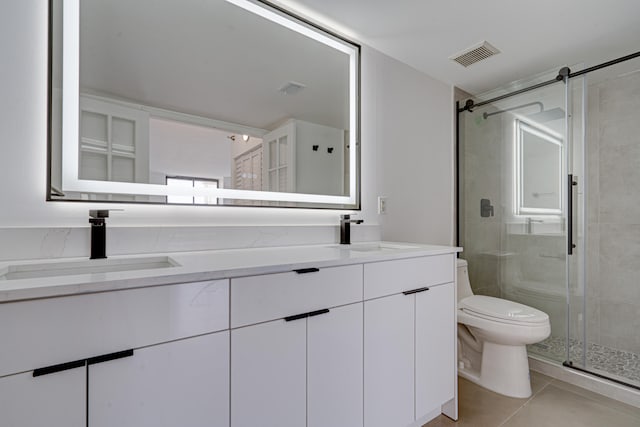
(620,364)
(553,403)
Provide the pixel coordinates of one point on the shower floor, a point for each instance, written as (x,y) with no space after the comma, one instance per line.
(619,364)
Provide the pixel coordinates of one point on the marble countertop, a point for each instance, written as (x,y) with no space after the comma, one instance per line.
(204,265)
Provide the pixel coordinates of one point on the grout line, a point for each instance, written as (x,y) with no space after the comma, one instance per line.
(524,404)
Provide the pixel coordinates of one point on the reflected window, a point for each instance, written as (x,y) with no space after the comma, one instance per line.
(191,182)
(538,171)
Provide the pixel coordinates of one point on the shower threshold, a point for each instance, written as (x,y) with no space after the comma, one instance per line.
(617,365)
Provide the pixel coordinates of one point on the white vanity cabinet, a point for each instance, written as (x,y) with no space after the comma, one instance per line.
(57,399)
(334,368)
(305,368)
(435,347)
(124,355)
(268,375)
(184,382)
(409,339)
(365,344)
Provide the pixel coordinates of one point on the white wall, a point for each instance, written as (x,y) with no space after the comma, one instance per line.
(412,125)
(184,149)
(319,172)
(406,151)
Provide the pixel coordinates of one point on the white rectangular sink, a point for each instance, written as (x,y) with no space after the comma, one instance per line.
(378,246)
(90,266)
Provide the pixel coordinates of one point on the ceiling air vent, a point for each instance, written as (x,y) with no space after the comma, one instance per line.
(474,54)
(291,88)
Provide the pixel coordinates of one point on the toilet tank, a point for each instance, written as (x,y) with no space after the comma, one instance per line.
(462,279)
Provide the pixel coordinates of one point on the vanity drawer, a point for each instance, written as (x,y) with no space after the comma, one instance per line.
(257,299)
(47,332)
(392,277)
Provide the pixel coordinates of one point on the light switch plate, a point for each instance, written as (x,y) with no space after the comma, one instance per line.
(382,205)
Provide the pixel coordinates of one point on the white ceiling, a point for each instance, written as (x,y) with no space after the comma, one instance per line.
(534,36)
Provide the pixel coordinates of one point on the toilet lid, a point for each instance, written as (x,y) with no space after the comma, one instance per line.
(502,309)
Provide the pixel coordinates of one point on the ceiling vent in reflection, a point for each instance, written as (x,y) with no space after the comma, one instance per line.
(474,54)
(291,88)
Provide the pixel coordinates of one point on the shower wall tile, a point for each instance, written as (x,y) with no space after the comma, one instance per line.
(619,263)
(613,246)
(619,325)
(592,282)
(593,158)
(483,240)
(593,321)
(618,137)
(542,257)
(620,97)
(619,173)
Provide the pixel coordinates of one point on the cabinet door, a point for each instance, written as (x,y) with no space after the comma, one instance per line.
(334,371)
(279,155)
(389,361)
(57,399)
(183,382)
(268,375)
(435,341)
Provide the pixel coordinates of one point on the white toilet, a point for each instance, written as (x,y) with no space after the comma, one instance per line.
(492,338)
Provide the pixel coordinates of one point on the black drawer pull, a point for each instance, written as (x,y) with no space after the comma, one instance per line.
(318,312)
(307,270)
(415,291)
(296,317)
(109,357)
(305,315)
(58,368)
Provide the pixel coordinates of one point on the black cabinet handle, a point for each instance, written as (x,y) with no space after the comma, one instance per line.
(109,357)
(318,312)
(305,315)
(307,270)
(82,362)
(415,291)
(59,368)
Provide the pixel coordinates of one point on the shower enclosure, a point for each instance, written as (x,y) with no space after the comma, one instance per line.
(549,209)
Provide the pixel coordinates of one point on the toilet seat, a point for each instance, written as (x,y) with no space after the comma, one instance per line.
(502,311)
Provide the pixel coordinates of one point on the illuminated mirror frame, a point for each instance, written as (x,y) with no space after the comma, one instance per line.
(520,128)
(70,117)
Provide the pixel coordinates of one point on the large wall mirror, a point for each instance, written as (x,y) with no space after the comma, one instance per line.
(204,102)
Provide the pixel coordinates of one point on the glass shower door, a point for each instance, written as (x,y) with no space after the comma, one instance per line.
(514,160)
(607,335)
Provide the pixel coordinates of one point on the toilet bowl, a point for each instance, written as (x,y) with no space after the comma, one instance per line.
(492,337)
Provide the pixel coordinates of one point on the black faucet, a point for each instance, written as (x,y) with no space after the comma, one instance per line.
(345,228)
(98,233)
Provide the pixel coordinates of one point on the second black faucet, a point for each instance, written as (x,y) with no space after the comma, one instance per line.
(345,228)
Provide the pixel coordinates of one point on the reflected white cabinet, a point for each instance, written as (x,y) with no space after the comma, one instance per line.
(57,399)
(305,157)
(114,143)
(184,382)
(279,159)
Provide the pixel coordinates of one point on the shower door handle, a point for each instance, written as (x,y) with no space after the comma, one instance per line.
(570,184)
